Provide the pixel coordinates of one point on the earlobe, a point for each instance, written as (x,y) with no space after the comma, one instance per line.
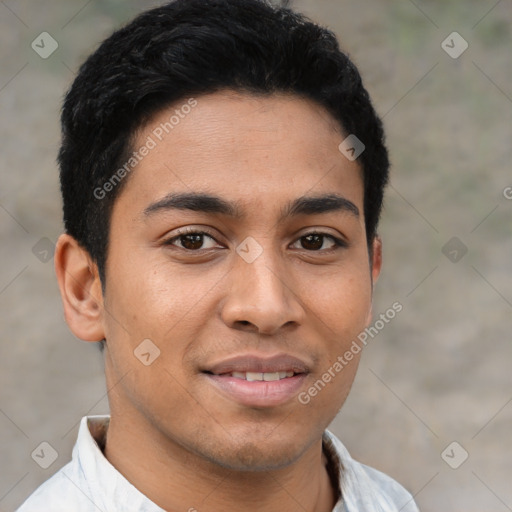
(80,289)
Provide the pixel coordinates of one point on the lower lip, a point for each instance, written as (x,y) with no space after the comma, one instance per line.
(258,393)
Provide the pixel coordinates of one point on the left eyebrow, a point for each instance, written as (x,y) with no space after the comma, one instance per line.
(316,205)
(206,203)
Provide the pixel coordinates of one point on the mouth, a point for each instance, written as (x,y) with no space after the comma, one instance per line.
(260,376)
(255,381)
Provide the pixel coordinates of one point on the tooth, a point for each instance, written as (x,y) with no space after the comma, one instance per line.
(282,375)
(251,376)
(271,376)
(239,375)
(289,374)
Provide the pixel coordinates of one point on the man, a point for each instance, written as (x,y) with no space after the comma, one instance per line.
(222,172)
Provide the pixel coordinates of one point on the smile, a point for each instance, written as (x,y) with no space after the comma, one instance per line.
(267,376)
(257,381)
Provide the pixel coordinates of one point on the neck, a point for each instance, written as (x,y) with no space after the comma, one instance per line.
(176,479)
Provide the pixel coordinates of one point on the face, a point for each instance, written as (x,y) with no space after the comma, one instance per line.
(222,255)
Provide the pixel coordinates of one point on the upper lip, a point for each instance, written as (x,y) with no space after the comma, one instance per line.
(259,364)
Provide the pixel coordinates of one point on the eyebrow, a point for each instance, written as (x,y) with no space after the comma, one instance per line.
(206,203)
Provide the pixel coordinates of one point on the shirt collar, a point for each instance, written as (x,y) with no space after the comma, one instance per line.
(96,467)
(105,483)
(354,488)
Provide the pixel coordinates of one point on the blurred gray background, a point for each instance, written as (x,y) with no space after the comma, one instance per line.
(438,373)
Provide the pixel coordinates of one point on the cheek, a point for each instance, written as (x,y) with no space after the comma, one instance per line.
(341,300)
(157,301)
(141,292)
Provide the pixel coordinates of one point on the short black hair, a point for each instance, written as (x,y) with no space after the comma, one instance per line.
(186,48)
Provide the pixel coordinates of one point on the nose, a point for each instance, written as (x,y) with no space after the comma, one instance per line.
(262,296)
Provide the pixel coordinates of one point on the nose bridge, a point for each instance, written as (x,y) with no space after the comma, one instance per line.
(260,269)
(264,274)
(259,293)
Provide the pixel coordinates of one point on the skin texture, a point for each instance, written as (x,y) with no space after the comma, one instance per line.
(172,433)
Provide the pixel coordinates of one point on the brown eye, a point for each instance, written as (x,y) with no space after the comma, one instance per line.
(192,241)
(312,242)
(316,242)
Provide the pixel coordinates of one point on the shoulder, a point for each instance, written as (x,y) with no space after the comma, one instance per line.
(364,488)
(390,491)
(89,482)
(70,488)
(58,494)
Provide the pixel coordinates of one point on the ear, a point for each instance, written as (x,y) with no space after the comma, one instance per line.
(376,259)
(375,268)
(80,289)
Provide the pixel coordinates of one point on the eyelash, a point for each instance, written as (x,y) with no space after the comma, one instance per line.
(338,242)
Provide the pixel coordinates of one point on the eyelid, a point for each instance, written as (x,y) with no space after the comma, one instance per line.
(339,241)
(188,230)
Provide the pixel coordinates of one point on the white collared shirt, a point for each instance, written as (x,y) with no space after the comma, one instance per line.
(89,483)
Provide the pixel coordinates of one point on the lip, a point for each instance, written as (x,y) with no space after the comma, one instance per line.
(258,363)
(261,394)
(258,393)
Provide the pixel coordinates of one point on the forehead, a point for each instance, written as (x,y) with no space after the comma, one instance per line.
(251,147)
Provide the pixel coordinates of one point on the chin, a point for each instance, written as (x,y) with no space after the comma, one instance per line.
(270,451)
(254,457)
